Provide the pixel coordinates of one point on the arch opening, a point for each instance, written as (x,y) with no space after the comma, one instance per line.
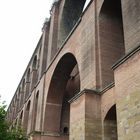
(20,119)
(35,110)
(71,13)
(34,72)
(26,116)
(35,62)
(28,82)
(111,38)
(110,125)
(64,85)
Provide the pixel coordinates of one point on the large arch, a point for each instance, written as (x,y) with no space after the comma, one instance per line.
(71,12)
(110,124)
(111,38)
(65,83)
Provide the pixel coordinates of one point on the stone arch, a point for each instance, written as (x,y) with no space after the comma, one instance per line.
(28,83)
(19,98)
(65,83)
(16,123)
(22,92)
(16,102)
(13,109)
(110,124)
(35,109)
(34,65)
(28,75)
(69,15)
(20,118)
(111,38)
(34,71)
(26,115)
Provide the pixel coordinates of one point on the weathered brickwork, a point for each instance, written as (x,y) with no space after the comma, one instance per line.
(83,80)
(127,89)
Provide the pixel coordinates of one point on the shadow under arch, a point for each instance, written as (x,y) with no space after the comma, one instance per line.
(72,10)
(65,83)
(110,124)
(111,37)
(26,116)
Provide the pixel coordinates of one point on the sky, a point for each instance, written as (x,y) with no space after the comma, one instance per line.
(20,29)
(21,22)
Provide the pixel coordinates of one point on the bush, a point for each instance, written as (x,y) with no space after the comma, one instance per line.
(16,133)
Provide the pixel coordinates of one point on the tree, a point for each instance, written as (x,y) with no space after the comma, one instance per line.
(16,133)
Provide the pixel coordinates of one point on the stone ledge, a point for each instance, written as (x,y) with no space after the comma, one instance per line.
(125,57)
(90,91)
(50,133)
(107,88)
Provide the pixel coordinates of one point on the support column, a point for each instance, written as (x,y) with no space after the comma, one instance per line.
(52,44)
(85,116)
(44,49)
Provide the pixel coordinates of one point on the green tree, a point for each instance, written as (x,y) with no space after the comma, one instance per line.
(16,133)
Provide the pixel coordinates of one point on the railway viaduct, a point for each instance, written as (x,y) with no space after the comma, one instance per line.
(83,80)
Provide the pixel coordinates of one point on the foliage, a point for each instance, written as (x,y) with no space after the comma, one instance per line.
(16,133)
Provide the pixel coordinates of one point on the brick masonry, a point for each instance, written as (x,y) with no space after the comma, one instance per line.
(69,90)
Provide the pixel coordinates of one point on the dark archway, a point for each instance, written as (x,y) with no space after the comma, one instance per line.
(28,83)
(65,83)
(22,93)
(20,119)
(35,110)
(26,116)
(110,125)
(111,38)
(34,72)
(72,10)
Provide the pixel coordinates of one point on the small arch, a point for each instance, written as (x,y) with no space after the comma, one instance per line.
(19,96)
(34,72)
(36,109)
(37,94)
(28,105)
(16,123)
(20,118)
(34,66)
(17,102)
(28,75)
(28,83)
(110,124)
(65,130)
(22,93)
(23,85)
(13,109)
(26,117)
(21,115)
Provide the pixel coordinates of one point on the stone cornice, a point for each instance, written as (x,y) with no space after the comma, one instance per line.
(90,91)
(125,57)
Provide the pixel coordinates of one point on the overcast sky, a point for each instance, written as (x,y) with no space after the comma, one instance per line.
(20,29)
(21,22)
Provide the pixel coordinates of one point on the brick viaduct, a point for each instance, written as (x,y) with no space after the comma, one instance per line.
(83,80)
